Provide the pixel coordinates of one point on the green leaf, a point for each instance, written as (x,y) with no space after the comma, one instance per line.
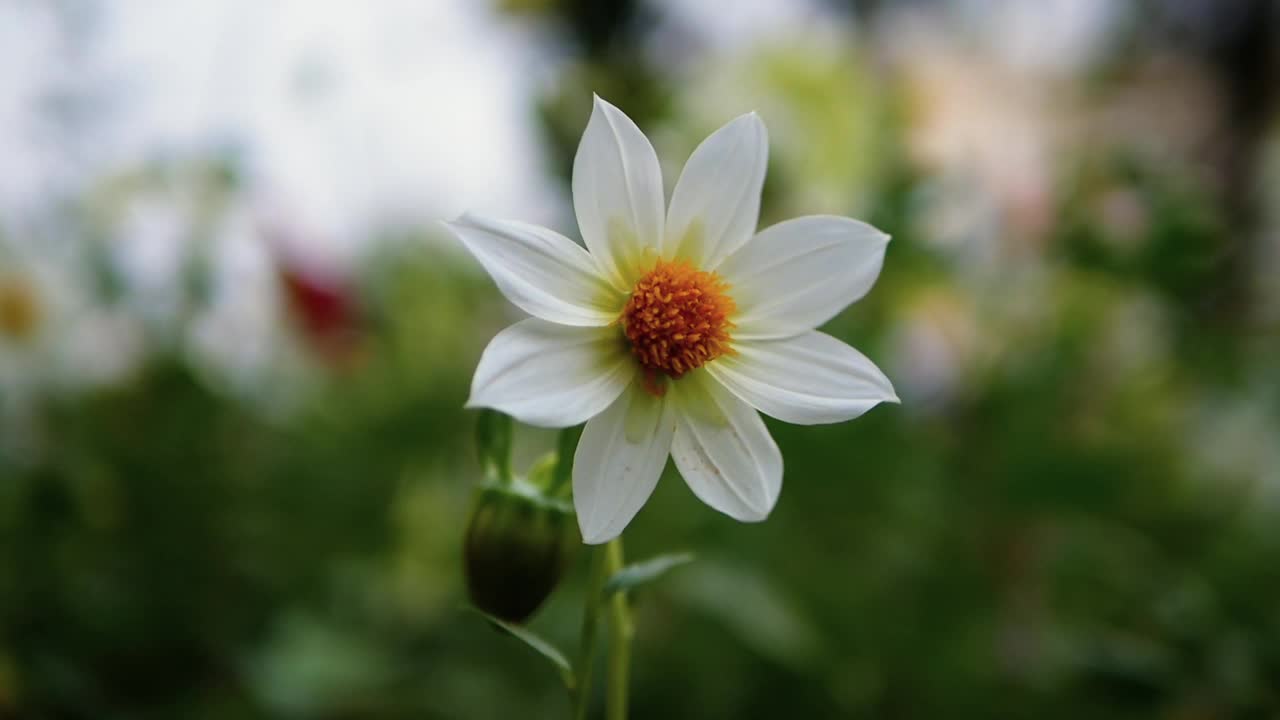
(643,573)
(567,444)
(544,648)
(493,443)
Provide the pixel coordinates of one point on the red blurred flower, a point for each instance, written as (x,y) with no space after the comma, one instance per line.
(322,302)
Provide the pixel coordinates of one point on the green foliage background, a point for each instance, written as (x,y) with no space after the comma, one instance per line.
(1051,538)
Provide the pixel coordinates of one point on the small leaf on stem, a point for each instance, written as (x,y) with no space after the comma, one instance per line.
(643,573)
(536,643)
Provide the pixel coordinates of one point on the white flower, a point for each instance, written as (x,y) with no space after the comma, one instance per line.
(53,333)
(671,330)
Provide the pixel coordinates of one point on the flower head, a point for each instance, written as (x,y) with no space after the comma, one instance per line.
(676,324)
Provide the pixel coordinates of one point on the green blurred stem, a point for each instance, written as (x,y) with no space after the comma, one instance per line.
(606,561)
(587,646)
(621,630)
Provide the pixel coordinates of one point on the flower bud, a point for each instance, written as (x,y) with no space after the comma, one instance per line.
(519,542)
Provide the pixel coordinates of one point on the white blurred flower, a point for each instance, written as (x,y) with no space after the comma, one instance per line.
(235,338)
(52,332)
(152,245)
(673,328)
(990,134)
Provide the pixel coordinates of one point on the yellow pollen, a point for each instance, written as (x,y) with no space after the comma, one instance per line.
(677,320)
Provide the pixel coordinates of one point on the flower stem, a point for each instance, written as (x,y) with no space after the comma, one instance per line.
(587,645)
(621,630)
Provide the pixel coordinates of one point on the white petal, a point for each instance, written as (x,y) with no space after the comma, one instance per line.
(617,193)
(552,375)
(618,462)
(724,451)
(716,203)
(544,273)
(798,274)
(809,379)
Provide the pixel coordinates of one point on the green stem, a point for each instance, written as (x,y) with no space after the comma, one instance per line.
(587,646)
(621,630)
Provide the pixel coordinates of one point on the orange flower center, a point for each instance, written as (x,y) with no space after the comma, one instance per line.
(677,319)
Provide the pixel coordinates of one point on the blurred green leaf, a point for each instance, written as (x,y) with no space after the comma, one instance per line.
(537,644)
(643,573)
(754,609)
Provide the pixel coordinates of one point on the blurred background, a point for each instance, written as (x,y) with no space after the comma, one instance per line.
(235,343)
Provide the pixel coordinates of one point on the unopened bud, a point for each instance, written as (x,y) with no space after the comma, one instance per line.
(519,542)
(522,530)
